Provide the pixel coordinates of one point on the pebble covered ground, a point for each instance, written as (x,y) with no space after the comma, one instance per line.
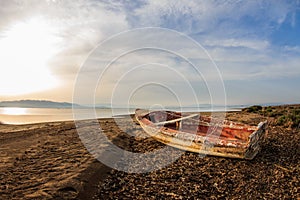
(49,161)
(273,174)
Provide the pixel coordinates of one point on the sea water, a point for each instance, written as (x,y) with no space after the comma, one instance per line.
(11,115)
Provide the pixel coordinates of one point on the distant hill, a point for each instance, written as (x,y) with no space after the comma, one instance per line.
(37,104)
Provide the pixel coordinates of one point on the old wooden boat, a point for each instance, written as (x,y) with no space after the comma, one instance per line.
(203,134)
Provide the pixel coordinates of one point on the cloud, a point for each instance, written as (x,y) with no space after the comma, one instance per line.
(236,34)
(230,43)
(193,17)
(79,24)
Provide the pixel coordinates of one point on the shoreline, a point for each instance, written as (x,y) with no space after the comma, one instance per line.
(4,121)
(27,118)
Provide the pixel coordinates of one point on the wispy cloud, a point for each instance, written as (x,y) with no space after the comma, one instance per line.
(238,43)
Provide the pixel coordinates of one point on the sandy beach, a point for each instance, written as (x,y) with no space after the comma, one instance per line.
(49,161)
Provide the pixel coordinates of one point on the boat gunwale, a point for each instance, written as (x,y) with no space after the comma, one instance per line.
(252,139)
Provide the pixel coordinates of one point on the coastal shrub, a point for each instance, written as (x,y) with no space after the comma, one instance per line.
(281,120)
(253,109)
(289,118)
(296,112)
(269,109)
(295,120)
(276,113)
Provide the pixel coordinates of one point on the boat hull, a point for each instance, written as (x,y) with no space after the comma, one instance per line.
(237,146)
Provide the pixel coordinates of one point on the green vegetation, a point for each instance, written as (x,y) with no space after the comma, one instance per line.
(253,109)
(292,120)
(295,118)
(268,110)
(287,116)
(282,120)
(275,113)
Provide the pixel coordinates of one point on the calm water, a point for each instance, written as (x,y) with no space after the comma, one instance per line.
(11,115)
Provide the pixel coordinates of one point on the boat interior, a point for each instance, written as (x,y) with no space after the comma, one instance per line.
(200,125)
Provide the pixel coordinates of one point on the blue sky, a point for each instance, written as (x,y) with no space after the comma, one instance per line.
(255,45)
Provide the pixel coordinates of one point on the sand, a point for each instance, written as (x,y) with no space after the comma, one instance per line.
(49,161)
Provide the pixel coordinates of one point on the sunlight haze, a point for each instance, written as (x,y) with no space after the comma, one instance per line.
(25,49)
(254,44)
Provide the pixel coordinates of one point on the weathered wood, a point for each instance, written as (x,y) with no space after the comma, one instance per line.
(176,120)
(230,139)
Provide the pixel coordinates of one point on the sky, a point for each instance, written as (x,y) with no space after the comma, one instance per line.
(248,51)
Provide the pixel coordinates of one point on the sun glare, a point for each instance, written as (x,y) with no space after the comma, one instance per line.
(25,49)
(14,111)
